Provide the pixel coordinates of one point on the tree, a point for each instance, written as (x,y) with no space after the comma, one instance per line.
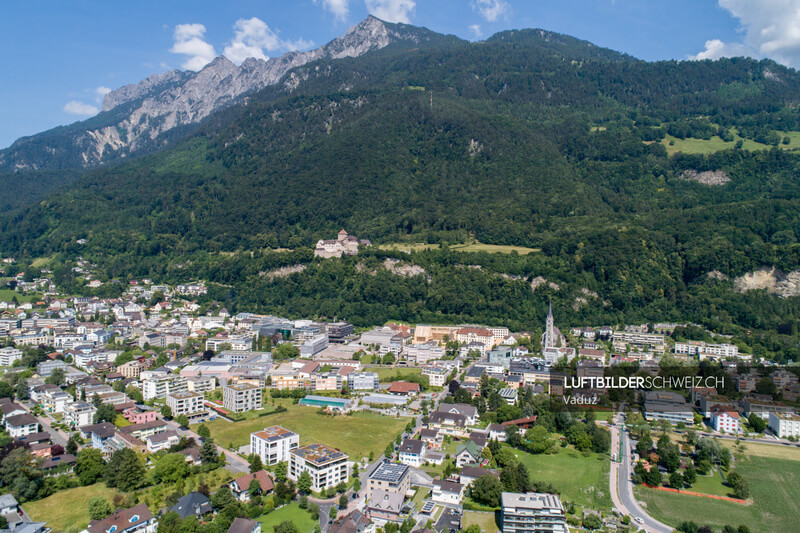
(592,521)
(757,423)
(254,489)
(6,390)
(644,445)
(389,451)
(689,475)
(280,471)
(653,477)
(342,501)
(741,489)
(208,452)
(687,526)
(182,420)
(89,465)
(125,471)
(304,482)
(676,480)
(56,377)
(166,411)
(99,508)
(20,475)
(357,485)
(333,513)
(105,413)
(287,526)
(255,463)
(487,490)
(539,440)
(203,431)
(222,498)
(170,468)
(72,446)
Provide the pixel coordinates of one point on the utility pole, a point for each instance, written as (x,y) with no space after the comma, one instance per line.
(431,98)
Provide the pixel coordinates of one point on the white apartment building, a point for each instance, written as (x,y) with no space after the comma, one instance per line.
(532,512)
(699,347)
(436,376)
(79,414)
(274,444)
(241,397)
(186,403)
(420,354)
(201,384)
(159,385)
(8,355)
(328,467)
(784,424)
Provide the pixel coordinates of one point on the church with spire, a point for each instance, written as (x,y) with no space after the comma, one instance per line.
(554,344)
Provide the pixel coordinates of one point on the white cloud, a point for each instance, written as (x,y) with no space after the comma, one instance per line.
(716,49)
(74,107)
(476,30)
(189,42)
(102,91)
(253,38)
(771,29)
(391,10)
(339,8)
(491,10)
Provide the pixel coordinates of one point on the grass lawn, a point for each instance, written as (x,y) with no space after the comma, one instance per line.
(6,295)
(711,484)
(774,490)
(408,246)
(386,374)
(120,421)
(292,513)
(68,510)
(356,434)
(486,521)
(493,248)
(581,479)
(421,494)
(754,449)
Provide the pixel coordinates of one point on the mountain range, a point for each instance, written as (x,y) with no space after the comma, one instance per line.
(645,188)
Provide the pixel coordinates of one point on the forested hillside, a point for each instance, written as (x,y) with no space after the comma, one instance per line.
(529,138)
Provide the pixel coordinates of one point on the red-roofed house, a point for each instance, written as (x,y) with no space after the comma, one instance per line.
(725,418)
(240,486)
(404,388)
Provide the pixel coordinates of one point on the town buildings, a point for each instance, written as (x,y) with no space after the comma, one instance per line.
(532,512)
(274,444)
(241,397)
(327,466)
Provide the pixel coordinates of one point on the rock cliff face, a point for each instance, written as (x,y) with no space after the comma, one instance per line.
(136,117)
(771,279)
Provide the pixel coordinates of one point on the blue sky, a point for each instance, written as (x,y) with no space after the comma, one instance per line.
(59,57)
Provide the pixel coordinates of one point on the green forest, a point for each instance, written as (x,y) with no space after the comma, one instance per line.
(530,139)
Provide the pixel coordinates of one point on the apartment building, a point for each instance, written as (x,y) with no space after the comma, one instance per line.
(273,444)
(389,477)
(241,397)
(201,384)
(8,355)
(327,466)
(159,385)
(79,414)
(186,403)
(532,512)
(131,369)
(785,424)
(363,381)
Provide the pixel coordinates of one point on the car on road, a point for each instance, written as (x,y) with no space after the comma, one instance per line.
(639,520)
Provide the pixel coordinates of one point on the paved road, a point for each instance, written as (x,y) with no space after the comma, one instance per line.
(622,487)
(56,435)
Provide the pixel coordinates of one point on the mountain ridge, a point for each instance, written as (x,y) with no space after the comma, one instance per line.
(173,99)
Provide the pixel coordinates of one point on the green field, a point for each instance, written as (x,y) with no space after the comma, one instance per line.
(7,295)
(356,434)
(463,247)
(486,521)
(580,479)
(292,513)
(408,246)
(774,490)
(387,374)
(493,248)
(715,144)
(67,510)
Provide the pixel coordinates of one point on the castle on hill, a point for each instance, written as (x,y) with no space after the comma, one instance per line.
(344,244)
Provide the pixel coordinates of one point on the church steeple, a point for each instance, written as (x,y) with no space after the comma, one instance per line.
(549,332)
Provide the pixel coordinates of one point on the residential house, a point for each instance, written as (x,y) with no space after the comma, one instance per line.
(21,425)
(193,504)
(240,487)
(244,525)
(385,506)
(468,453)
(432,438)
(328,467)
(725,418)
(137,519)
(469,474)
(353,522)
(404,388)
(448,492)
(411,452)
(389,477)
(162,441)
(273,444)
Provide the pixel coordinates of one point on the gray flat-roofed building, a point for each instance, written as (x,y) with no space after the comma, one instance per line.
(532,512)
